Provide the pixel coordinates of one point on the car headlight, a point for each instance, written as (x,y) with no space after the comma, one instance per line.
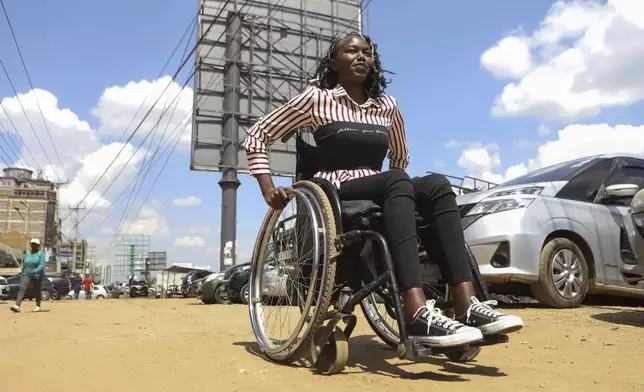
(505,201)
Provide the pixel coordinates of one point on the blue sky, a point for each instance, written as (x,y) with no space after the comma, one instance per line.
(76,49)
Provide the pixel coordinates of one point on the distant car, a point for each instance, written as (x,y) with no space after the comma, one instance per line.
(4,288)
(209,287)
(61,283)
(236,287)
(562,231)
(99,292)
(12,286)
(138,288)
(188,289)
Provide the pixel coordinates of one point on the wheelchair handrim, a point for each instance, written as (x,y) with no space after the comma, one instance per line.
(257,267)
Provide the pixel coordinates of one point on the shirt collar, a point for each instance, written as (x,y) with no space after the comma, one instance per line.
(339,91)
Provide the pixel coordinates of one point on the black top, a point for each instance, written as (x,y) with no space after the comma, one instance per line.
(349,146)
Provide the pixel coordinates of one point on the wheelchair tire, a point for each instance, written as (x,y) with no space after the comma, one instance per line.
(295,347)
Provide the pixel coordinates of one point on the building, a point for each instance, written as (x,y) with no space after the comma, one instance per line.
(103,273)
(67,255)
(28,209)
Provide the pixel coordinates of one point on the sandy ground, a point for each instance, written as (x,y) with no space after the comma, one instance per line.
(182,345)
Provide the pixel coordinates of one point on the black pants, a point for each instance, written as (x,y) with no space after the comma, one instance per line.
(25,281)
(399,197)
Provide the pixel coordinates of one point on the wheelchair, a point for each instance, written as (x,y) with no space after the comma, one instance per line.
(327,259)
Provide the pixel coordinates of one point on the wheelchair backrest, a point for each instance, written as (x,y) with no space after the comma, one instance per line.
(306,164)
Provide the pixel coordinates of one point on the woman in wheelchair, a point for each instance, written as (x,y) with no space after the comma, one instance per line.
(355,125)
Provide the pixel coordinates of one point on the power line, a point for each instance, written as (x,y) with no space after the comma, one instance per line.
(24,144)
(24,66)
(28,120)
(183,64)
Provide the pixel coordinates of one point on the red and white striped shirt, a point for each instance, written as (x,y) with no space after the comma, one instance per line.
(316,107)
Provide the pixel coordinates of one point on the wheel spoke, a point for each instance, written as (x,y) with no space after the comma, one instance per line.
(568,289)
(558,263)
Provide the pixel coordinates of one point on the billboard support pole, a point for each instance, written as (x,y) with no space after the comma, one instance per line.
(230,136)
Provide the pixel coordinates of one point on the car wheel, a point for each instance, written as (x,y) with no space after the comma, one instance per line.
(55,295)
(100,296)
(208,301)
(221,297)
(244,294)
(563,275)
(45,295)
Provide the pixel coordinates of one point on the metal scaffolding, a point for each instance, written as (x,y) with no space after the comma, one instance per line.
(255,56)
(130,254)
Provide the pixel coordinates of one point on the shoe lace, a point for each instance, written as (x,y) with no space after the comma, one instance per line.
(485,308)
(434,315)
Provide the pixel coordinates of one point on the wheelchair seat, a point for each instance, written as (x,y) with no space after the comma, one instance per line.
(355,209)
(363,212)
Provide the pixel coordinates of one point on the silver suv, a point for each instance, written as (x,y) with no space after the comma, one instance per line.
(563,231)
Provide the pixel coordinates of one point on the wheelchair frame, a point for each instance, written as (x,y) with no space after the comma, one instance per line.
(329,349)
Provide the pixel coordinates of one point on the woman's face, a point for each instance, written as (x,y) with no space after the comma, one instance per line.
(34,247)
(354,60)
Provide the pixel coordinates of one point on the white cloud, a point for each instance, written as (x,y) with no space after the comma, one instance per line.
(452,144)
(119,105)
(573,141)
(188,241)
(510,58)
(187,201)
(479,158)
(148,221)
(588,56)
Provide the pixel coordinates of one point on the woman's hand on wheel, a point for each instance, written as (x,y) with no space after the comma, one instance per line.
(276,197)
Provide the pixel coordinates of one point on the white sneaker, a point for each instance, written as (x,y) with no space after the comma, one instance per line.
(36,309)
(490,321)
(433,328)
(15,308)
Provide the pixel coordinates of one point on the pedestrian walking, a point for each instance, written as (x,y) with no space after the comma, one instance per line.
(33,273)
(87,285)
(77,283)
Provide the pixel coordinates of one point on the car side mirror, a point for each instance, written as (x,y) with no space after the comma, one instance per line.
(621,191)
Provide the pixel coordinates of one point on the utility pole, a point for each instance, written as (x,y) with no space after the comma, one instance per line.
(75,209)
(230,134)
(59,227)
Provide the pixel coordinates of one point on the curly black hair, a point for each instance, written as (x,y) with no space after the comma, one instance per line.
(325,77)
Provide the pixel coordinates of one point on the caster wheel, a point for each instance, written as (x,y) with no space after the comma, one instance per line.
(463,356)
(334,355)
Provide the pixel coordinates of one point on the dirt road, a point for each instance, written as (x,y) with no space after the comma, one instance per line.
(181,345)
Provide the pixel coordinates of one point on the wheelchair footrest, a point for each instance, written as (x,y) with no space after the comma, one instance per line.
(417,349)
(490,340)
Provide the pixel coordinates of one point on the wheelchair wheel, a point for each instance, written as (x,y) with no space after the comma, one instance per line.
(295,257)
(381,316)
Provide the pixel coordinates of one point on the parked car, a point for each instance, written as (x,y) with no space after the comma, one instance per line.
(138,288)
(13,285)
(99,292)
(188,289)
(562,231)
(206,293)
(62,284)
(228,291)
(4,288)
(274,283)
(635,230)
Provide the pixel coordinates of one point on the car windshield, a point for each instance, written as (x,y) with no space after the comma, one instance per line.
(559,172)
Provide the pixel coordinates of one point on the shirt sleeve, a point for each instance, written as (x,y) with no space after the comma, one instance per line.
(294,114)
(398,149)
